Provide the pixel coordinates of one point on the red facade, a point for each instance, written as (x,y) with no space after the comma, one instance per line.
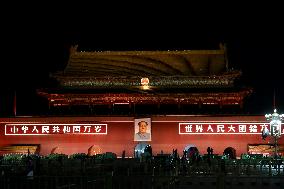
(166,134)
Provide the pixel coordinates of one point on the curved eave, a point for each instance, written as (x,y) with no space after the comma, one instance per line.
(229,98)
(153,63)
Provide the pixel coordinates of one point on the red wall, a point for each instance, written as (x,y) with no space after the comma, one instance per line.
(165,135)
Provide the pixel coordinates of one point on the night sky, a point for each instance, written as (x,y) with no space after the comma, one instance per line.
(34,49)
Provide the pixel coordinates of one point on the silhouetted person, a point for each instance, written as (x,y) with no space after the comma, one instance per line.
(30,167)
(208,151)
(211,151)
(123,154)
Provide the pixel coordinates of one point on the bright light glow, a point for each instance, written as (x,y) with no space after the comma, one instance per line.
(275,123)
(145,87)
(145,81)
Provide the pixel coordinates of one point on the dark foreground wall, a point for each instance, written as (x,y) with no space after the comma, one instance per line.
(120,134)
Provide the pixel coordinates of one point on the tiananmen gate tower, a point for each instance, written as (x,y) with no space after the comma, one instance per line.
(189,98)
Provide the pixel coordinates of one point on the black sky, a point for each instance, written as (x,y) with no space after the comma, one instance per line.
(32,49)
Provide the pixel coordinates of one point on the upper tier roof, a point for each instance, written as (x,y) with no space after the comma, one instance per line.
(146,63)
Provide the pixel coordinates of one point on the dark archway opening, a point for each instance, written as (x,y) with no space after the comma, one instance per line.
(230,152)
(141,148)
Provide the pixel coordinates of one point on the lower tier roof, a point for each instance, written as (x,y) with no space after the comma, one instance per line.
(220,98)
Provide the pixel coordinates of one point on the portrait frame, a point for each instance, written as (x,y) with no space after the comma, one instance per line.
(148,131)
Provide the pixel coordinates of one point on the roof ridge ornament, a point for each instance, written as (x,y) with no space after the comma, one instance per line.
(73,49)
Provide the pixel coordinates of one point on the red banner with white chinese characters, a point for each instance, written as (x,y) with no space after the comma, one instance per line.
(222,128)
(48,129)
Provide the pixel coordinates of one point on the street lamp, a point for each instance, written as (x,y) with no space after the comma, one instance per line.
(275,127)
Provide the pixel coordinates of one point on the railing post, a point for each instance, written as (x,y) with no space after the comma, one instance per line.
(221,180)
(278,167)
(238,168)
(269,171)
(108,181)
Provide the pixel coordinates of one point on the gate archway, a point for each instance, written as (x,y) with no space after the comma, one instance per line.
(231,152)
(191,150)
(94,150)
(140,149)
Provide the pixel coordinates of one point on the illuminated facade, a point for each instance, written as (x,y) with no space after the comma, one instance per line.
(71,135)
(152,79)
